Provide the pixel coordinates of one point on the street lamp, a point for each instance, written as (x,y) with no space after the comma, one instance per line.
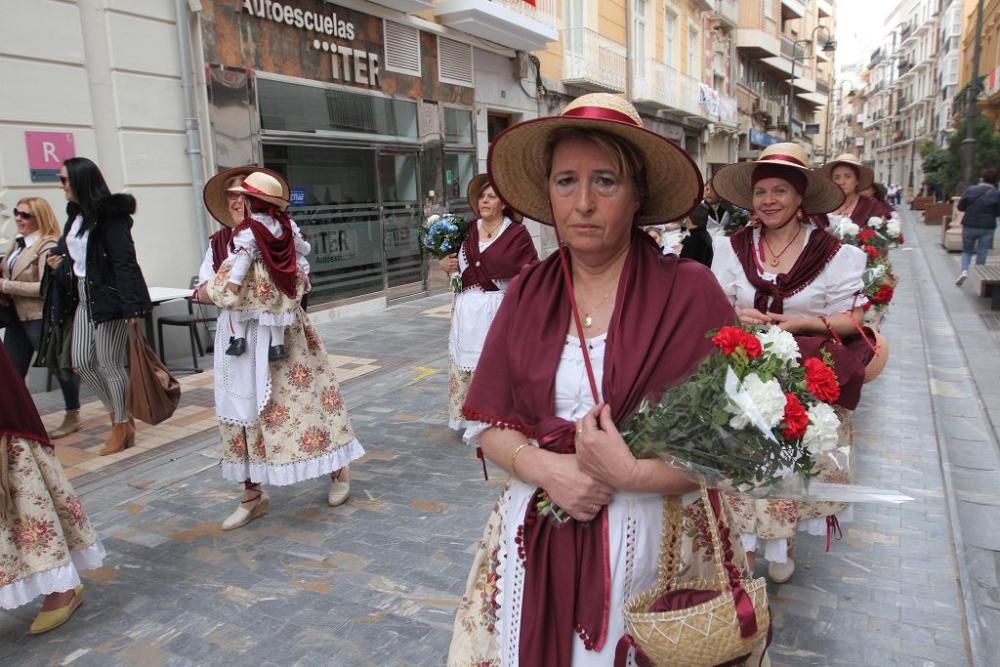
(829,46)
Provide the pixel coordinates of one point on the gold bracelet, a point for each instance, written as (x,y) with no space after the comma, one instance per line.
(513,458)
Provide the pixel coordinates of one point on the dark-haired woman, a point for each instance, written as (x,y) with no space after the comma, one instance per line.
(109,285)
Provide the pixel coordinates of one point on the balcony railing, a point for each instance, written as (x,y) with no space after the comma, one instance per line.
(662,85)
(516,24)
(822,87)
(728,11)
(593,61)
(788,47)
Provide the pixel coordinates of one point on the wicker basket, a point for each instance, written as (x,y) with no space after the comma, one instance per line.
(877,364)
(705,634)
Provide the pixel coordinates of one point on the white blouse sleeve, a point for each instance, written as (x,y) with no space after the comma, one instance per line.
(205,272)
(845,284)
(726,266)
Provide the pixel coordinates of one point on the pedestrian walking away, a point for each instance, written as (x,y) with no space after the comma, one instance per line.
(21,270)
(45,535)
(110,289)
(981,204)
(497,248)
(543,593)
(282,420)
(787,271)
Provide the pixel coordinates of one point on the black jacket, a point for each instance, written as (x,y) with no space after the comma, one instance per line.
(697,245)
(981,204)
(115,287)
(703,212)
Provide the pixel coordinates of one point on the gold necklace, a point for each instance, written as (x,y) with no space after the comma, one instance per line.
(490,233)
(776,258)
(588,321)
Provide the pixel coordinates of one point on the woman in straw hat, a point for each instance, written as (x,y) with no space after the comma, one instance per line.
(282,421)
(580,339)
(497,248)
(852,177)
(784,270)
(45,535)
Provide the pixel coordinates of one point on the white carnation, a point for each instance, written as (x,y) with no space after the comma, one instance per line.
(767,397)
(823,431)
(893,229)
(875,222)
(779,342)
(847,228)
(432,219)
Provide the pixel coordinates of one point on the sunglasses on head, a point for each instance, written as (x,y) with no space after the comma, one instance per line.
(24,215)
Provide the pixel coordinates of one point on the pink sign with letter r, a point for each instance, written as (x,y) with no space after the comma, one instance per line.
(46,153)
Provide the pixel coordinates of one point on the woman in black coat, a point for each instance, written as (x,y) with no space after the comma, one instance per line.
(109,286)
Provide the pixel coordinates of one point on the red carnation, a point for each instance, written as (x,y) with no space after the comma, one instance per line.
(730,339)
(901,239)
(866,235)
(821,381)
(883,295)
(796,420)
(871,250)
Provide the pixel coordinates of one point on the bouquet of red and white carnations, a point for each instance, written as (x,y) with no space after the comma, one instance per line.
(751,414)
(875,240)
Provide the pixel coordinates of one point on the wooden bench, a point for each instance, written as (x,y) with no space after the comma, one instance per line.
(934,213)
(989,283)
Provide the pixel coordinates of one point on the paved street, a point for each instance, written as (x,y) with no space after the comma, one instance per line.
(377,581)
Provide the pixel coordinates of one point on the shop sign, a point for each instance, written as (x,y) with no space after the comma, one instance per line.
(350,62)
(46,153)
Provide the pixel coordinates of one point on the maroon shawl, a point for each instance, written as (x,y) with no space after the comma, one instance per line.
(503,259)
(18,414)
(770,297)
(219,243)
(278,254)
(656,338)
(868,207)
(850,354)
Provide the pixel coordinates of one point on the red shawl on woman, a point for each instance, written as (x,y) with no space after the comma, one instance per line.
(656,338)
(849,356)
(868,207)
(18,414)
(502,260)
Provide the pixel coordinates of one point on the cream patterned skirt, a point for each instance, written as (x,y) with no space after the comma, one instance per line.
(459,382)
(45,535)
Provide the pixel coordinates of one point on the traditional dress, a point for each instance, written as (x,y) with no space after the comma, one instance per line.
(867,208)
(45,535)
(542,594)
(281,422)
(826,280)
(486,266)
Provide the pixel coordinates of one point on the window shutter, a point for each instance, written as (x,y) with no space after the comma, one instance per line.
(455,63)
(402,48)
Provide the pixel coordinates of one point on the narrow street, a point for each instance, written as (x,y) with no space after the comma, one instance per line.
(377,581)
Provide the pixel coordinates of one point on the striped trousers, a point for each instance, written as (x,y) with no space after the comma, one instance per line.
(100,355)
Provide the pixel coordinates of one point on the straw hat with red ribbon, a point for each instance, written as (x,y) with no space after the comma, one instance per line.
(269,185)
(517,166)
(479,183)
(864,173)
(734,182)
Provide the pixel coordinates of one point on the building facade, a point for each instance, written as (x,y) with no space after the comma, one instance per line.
(989,58)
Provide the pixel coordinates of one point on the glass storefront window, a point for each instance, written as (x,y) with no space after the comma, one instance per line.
(459,168)
(301,108)
(458,126)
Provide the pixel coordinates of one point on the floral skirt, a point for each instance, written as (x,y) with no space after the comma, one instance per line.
(45,535)
(258,298)
(303,430)
(487,624)
(459,382)
(774,522)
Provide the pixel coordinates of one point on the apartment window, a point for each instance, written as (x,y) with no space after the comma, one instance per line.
(669,35)
(639,30)
(693,50)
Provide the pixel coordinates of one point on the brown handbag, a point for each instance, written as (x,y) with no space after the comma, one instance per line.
(153,393)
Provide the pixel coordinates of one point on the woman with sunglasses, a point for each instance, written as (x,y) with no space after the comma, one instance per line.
(21,273)
(109,285)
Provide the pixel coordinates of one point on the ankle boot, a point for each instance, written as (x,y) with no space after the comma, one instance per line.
(118,441)
(70,424)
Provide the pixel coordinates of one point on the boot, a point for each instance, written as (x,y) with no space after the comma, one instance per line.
(70,424)
(121,438)
(276,353)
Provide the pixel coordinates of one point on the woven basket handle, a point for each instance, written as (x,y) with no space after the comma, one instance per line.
(729,574)
(670,545)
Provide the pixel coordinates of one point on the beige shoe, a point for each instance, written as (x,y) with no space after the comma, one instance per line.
(122,437)
(780,573)
(70,424)
(340,489)
(242,516)
(50,620)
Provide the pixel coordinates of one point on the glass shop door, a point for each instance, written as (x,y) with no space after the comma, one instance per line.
(402,215)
